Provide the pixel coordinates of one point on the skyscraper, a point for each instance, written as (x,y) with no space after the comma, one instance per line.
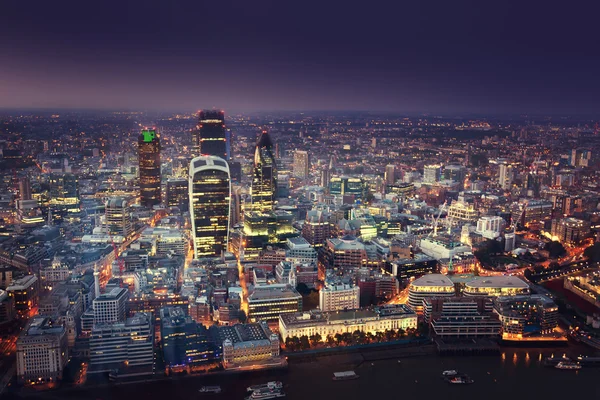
(149,159)
(210,205)
(117,216)
(24,188)
(301,164)
(431,173)
(177,194)
(211,138)
(390,174)
(264,181)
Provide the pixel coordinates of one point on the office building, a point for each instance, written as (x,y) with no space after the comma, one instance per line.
(117,217)
(345,252)
(7,308)
(455,173)
(390,174)
(178,194)
(526,315)
(352,188)
(111,306)
(461,318)
(210,205)
(301,166)
(432,285)
(412,267)
(432,173)
(505,176)
(570,231)
(268,302)
(210,137)
(336,296)
(24,188)
(264,179)
(42,351)
(125,347)
(316,228)
(496,286)
(149,171)
(299,251)
(379,319)
(490,227)
(185,343)
(25,294)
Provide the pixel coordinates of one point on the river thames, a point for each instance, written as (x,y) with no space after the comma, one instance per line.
(515,374)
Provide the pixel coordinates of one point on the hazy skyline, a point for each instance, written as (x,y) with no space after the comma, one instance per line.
(438,56)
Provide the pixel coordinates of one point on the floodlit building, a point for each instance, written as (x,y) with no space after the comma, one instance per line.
(210,205)
(526,315)
(432,285)
(117,217)
(110,307)
(461,317)
(301,164)
(25,293)
(380,319)
(248,343)
(570,230)
(496,286)
(490,227)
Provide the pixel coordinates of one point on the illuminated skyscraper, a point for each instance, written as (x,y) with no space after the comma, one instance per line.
(210,205)
(149,159)
(301,164)
(211,138)
(264,181)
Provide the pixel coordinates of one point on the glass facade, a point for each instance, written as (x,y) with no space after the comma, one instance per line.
(211,137)
(149,160)
(210,193)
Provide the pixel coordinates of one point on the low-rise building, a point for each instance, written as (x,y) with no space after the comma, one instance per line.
(331,323)
(25,292)
(427,286)
(496,286)
(526,315)
(461,317)
(270,301)
(42,351)
(127,347)
(339,296)
(248,343)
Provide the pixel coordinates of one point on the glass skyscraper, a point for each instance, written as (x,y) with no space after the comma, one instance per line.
(264,180)
(210,205)
(211,138)
(149,160)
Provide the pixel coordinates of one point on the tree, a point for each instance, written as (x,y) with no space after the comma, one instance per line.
(242,316)
(330,340)
(593,252)
(401,333)
(347,338)
(379,336)
(338,338)
(315,339)
(304,342)
(555,249)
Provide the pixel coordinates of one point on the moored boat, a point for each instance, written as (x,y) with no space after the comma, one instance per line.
(344,375)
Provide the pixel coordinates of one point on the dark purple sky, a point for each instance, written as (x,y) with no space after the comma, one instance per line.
(441,56)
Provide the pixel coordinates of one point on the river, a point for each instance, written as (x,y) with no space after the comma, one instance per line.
(515,374)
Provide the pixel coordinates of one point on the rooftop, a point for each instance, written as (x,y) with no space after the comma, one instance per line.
(272,292)
(497,282)
(433,280)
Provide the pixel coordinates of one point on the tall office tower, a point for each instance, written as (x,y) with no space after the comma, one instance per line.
(24,188)
(301,164)
(177,194)
(111,307)
(505,176)
(116,216)
(431,173)
(210,205)
(264,181)
(64,189)
(210,137)
(390,174)
(325,177)
(149,158)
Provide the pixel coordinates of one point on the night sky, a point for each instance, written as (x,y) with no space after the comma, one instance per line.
(437,56)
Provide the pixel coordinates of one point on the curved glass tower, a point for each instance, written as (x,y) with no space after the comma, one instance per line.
(264,180)
(210,205)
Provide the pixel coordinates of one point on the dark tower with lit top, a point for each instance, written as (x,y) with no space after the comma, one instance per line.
(149,159)
(264,180)
(210,138)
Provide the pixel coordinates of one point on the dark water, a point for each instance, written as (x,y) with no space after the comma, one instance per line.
(517,374)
